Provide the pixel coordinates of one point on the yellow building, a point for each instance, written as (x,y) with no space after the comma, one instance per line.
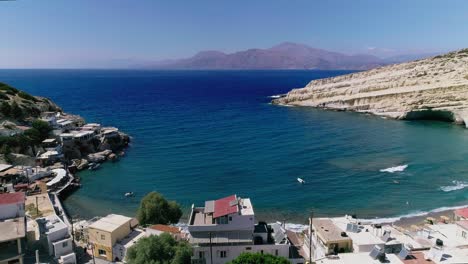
(330,237)
(106,232)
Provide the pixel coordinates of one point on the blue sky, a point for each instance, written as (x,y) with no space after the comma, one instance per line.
(109,33)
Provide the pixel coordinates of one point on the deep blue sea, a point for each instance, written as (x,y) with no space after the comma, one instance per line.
(200,135)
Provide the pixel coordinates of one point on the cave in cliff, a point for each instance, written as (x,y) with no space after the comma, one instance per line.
(436,115)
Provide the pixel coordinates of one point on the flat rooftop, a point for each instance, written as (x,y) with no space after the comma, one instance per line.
(222,207)
(359,258)
(132,238)
(50,224)
(43,202)
(110,222)
(4,167)
(12,229)
(445,232)
(327,230)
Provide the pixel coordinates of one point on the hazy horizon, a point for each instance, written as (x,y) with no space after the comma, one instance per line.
(123,33)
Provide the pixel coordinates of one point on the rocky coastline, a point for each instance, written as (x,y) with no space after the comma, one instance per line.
(435,88)
(38,137)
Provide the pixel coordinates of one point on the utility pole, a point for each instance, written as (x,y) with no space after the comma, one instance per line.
(211,251)
(37,207)
(310,236)
(92,253)
(37,257)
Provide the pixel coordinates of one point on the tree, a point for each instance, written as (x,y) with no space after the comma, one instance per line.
(162,249)
(43,128)
(257,258)
(34,136)
(16,111)
(39,131)
(183,254)
(5,108)
(155,209)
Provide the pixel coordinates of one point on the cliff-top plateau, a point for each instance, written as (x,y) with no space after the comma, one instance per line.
(434,88)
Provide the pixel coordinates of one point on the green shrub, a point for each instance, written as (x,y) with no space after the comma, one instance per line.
(155,209)
(27,96)
(257,258)
(16,112)
(8,89)
(163,249)
(5,109)
(4,96)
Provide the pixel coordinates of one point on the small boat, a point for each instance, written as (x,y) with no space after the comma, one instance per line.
(129,194)
(396,182)
(95,166)
(300,180)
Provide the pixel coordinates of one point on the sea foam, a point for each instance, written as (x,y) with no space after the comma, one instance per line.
(458,185)
(395,169)
(276,96)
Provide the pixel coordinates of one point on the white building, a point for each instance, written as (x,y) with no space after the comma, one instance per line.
(65,124)
(12,228)
(223,229)
(119,250)
(109,132)
(50,118)
(12,205)
(157,230)
(359,258)
(34,173)
(55,233)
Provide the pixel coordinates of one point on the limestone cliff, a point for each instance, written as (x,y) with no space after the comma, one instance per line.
(433,88)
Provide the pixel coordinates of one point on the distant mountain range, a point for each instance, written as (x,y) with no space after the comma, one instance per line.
(283,56)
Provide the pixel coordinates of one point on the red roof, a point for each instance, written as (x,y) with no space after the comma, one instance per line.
(12,198)
(225,206)
(166,228)
(462,212)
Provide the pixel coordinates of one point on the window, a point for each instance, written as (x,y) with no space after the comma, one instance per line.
(261,251)
(230,218)
(276,252)
(103,237)
(201,254)
(102,252)
(248,248)
(222,220)
(464,234)
(222,254)
(65,244)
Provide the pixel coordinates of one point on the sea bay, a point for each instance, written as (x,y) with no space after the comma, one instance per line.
(200,135)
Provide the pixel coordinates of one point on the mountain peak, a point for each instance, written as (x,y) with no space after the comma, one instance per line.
(287,55)
(210,53)
(290,45)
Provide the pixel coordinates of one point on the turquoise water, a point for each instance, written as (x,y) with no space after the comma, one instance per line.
(201,135)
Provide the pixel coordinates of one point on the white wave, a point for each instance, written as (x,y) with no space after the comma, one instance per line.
(395,169)
(276,96)
(458,185)
(410,215)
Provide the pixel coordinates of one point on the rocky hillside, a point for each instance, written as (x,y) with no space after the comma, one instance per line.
(433,88)
(20,106)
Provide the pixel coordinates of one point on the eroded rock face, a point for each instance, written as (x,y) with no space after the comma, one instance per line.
(433,88)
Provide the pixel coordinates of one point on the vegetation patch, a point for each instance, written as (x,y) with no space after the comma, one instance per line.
(33,211)
(8,89)
(27,96)
(155,209)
